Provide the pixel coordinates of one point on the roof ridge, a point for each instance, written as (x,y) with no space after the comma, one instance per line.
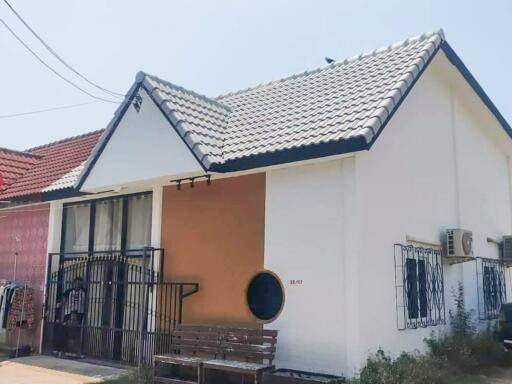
(183,89)
(65,140)
(339,63)
(21,153)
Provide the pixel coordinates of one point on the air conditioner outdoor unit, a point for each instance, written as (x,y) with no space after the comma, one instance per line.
(506,251)
(459,243)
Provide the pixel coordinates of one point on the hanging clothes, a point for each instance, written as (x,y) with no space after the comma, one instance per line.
(7,294)
(2,289)
(21,308)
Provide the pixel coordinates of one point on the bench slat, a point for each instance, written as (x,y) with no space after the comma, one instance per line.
(180,359)
(234,330)
(236,366)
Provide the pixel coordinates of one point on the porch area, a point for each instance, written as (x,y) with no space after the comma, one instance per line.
(211,246)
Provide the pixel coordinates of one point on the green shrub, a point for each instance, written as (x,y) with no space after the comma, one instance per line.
(142,376)
(460,356)
(382,369)
(466,348)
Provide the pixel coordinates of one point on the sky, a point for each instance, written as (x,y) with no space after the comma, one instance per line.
(215,47)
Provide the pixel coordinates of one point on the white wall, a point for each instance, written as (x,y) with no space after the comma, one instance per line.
(436,166)
(440,163)
(143,147)
(304,240)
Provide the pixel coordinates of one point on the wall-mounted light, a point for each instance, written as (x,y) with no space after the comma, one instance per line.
(137,102)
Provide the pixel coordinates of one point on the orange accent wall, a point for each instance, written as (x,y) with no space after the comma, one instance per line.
(214,235)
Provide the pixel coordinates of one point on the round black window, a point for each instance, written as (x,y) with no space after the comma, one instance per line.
(265,296)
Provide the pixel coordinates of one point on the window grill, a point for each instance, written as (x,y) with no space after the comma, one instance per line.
(490,277)
(419,287)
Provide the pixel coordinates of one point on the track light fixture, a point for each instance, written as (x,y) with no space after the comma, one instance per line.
(192,180)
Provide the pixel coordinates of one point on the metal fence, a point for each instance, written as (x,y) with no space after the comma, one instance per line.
(128,311)
(419,287)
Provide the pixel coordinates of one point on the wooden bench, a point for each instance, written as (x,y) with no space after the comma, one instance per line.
(206,349)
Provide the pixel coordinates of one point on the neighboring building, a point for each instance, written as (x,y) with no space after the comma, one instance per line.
(32,179)
(316,204)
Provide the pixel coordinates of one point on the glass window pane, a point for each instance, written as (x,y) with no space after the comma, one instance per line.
(76,231)
(265,296)
(422,283)
(139,222)
(108,225)
(412,288)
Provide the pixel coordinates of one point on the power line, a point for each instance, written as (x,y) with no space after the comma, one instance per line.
(52,69)
(47,109)
(111,93)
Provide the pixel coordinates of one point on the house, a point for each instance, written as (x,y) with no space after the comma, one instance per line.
(317,204)
(32,179)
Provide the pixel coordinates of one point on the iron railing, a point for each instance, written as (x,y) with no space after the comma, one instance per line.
(490,278)
(419,287)
(129,311)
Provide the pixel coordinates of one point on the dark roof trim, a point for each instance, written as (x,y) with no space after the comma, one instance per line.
(60,194)
(315,151)
(464,71)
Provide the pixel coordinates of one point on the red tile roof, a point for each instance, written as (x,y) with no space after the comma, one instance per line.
(14,164)
(45,168)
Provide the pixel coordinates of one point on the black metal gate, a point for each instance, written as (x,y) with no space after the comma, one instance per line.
(128,311)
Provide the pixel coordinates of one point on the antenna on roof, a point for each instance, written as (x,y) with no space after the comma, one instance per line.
(328,60)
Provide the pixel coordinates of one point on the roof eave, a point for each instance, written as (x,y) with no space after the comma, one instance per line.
(314,151)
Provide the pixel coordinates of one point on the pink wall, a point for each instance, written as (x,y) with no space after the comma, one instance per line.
(25,231)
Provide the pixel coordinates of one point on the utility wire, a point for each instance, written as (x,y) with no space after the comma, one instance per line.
(52,69)
(111,93)
(47,109)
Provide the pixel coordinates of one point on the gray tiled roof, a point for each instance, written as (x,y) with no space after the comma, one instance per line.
(337,108)
(333,103)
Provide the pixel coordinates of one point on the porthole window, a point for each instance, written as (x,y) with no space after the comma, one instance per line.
(265,296)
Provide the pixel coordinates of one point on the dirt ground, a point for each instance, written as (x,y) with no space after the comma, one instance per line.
(49,370)
(503,376)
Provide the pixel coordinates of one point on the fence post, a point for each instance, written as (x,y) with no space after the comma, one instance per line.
(85,317)
(142,309)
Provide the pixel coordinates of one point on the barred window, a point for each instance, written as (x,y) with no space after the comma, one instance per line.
(419,287)
(491,287)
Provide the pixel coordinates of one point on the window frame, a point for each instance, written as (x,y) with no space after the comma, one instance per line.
(419,287)
(490,298)
(283,298)
(92,218)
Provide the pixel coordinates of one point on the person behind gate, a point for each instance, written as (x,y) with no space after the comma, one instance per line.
(73,304)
